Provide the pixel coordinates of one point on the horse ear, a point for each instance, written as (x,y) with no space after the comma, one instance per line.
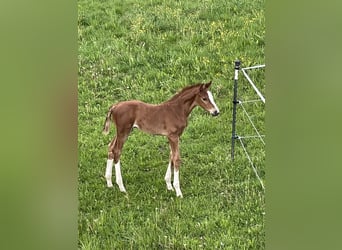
(207,85)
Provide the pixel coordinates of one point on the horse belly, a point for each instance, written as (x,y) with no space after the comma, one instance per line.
(151,126)
(152,123)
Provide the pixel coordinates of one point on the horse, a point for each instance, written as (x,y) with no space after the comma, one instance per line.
(169,119)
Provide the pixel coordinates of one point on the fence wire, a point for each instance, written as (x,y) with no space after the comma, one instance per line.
(258,134)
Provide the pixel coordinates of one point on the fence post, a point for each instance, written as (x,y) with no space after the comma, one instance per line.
(235,102)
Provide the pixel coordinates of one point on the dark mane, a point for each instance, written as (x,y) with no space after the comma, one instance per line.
(184,91)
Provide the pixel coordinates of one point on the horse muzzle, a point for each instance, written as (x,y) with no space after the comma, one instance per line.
(215,113)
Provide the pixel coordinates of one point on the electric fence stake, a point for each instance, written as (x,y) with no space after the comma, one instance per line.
(235,102)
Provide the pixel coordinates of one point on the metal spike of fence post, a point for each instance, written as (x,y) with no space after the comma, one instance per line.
(235,102)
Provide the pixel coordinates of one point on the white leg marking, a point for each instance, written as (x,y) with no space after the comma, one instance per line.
(176,184)
(108,174)
(119,177)
(168,177)
(211,99)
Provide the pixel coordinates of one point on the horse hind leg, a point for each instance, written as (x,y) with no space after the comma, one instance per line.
(117,149)
(109,167)
(108,174)
(114,153)
(118,177)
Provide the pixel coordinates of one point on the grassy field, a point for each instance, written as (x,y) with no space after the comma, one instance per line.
(148,50)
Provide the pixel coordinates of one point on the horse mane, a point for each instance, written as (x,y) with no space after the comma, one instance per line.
(184,91)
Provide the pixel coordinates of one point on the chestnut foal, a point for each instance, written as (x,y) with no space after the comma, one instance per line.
(168,118)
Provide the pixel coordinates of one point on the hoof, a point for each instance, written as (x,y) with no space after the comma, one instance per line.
(180,195)
(169,187)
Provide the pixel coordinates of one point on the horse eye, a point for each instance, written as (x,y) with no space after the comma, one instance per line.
(204,99)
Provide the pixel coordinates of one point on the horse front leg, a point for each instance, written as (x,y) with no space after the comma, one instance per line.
(175,158)
(176,183)
(169,173)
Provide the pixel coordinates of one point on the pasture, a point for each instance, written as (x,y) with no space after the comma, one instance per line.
(149,50)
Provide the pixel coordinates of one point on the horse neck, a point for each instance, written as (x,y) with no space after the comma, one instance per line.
(184,102)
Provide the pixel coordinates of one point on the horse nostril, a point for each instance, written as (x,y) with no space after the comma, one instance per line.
(215,113)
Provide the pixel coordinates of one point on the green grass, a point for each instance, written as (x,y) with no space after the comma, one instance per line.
(148,50)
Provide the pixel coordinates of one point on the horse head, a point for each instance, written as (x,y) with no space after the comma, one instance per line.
(205,99)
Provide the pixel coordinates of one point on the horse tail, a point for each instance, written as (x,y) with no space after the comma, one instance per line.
(107,121)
